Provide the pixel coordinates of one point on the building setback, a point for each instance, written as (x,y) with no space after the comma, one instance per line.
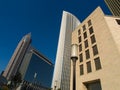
(61,77)
(114,6)
(98,38)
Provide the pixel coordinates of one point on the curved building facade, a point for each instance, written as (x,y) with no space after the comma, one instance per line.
(61,77)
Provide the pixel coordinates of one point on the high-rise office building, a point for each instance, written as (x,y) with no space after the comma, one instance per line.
(61,77)
(36,68)
(98,38)
(114,6)
(17,57)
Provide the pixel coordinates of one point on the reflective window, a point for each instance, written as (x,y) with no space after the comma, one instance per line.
(36,65)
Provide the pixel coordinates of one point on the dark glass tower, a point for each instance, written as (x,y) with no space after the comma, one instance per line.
(36,68)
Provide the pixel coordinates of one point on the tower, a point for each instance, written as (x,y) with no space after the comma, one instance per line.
(36,68)
(61,77)
(17,57)
(97,67)
(114,6)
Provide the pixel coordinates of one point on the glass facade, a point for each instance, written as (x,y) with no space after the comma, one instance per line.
(61,77)
(39,71)
(114,6)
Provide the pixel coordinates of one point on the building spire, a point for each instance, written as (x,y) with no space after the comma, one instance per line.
(27,37)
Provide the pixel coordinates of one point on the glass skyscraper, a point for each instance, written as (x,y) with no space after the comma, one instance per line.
(61,77)
(37,69)
(114,6)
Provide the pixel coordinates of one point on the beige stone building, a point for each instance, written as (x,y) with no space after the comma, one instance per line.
(98,64)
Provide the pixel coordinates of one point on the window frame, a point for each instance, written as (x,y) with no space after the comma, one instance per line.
(84,27)
(91,31)
(86,43)
(81,69)
(97,63)
(87,54)
(95,50)
(89,68)
(81,57)
(85,35)
(79,39)
(80,47)
(89,23)
(93,39)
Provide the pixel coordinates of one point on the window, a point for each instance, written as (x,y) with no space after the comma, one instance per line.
(89,67)
(86,43)
(87,54)
(81,57)
(89,23)
(80,47)
(118,21)
(91,30)
(85,35)
(84,27)
(95,50)
(97,63)
(79,32)
(79,39)
(81,70)
(93,39)
(93,85)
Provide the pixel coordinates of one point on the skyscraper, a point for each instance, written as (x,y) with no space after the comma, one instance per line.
(114,6)
(36,68)
(61,77)
(17,57)
(97,67)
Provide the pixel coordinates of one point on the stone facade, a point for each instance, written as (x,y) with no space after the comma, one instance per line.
(98,37)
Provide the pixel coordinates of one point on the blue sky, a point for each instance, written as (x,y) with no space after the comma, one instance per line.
(40,17)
